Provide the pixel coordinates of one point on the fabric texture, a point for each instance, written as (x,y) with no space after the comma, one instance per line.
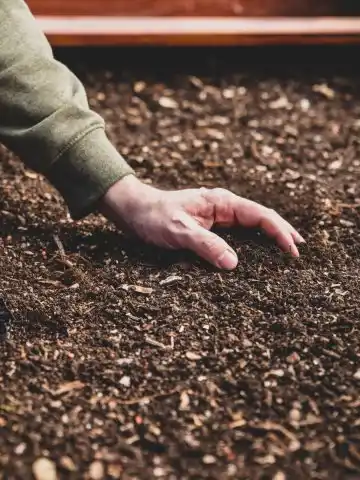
(45,117)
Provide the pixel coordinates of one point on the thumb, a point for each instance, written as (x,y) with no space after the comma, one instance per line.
(212,248)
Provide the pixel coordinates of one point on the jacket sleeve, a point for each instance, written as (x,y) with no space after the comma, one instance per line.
(45,117)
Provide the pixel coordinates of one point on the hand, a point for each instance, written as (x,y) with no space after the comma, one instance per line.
(182,219)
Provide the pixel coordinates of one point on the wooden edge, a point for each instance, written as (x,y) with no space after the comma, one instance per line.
(198,31)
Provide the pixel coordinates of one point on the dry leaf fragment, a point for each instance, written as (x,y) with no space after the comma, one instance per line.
(68,387)
(168,102)
(44,469)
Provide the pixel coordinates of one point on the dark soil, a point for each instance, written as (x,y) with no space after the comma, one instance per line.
(123,361)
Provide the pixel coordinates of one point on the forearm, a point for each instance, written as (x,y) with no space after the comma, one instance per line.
(45,117)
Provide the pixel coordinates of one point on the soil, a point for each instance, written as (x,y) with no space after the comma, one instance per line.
(119,360)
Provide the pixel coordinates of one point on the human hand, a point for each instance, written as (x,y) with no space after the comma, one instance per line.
(182,219)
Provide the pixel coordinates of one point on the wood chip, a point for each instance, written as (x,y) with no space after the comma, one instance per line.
(192,356)
(324,90)
(168,102)
(30,174)
(44,469)
(184,401)
(68,387)
(170,280)
(215,134)
(68,464)
(196,82)
(281,102)
(138,289)
(156,343)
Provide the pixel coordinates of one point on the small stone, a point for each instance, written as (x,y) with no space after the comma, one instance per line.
(115,470)
(20,449)
(294,357)
(228,93)
(159,472)
(209,459)
(168,102)
(279,476)
(357,374)
(44,469)
(294,415)
(125,381)
(304,104)
(139,87)
(96,470)
(68,464)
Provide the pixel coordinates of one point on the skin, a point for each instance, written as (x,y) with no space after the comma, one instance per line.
(182,219)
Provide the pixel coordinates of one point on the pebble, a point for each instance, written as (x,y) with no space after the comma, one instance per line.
(357,374)
(209,459)
(44,469)
(167,102)
(158,472)
(125,381)
(96,471)
(279,476)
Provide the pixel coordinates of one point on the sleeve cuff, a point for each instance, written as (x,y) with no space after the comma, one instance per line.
(86,170)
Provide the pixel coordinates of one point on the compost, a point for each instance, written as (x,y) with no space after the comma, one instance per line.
(119,360)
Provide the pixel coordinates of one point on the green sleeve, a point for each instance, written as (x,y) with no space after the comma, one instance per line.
(45,117)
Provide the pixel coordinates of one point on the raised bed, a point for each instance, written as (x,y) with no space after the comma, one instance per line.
(197,22)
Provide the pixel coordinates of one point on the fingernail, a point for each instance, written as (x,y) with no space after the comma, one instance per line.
(228,260)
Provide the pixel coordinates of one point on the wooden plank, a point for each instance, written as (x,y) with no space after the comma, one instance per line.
(202,8)
(198,31)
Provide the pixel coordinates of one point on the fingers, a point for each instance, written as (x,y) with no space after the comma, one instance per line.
(230,207)
(211,248)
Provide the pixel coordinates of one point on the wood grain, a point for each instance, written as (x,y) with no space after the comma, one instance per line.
(215,8)
(198,31)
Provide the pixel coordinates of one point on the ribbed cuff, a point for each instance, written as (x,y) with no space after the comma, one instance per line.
(86,170)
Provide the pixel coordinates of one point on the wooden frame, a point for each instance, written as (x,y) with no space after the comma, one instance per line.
(197,22)
(73,30)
